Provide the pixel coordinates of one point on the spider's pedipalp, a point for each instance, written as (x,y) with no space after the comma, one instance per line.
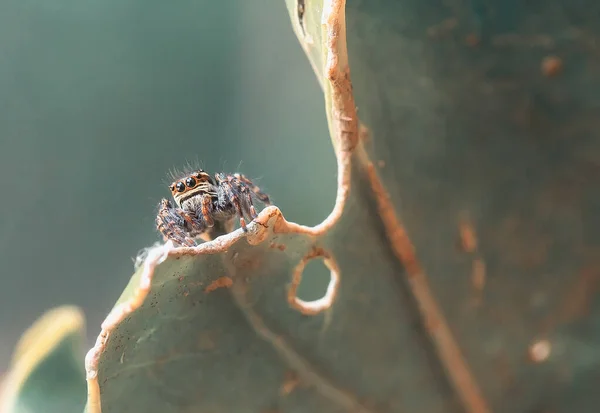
(207,209)
(175,224)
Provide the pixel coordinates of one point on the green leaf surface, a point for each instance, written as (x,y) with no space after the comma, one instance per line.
(47,374)
(484,118)
(481,299)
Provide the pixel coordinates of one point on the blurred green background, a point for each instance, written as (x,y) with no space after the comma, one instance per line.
(98,99)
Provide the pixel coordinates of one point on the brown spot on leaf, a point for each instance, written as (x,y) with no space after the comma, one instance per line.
(280,247)
(316,252)
(290,382)
(552,66)
(221,282)
(539,351)
(468,238)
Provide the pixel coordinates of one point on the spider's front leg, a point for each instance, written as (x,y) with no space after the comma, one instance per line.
(177,225)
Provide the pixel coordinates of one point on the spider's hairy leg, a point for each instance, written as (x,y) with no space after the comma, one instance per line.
(264,198)
(228,193)
(245,190)
(175,224)
(237,192)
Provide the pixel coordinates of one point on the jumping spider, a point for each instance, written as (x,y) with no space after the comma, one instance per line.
(202,200)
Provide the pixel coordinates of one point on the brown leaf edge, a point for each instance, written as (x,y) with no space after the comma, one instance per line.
(345,134)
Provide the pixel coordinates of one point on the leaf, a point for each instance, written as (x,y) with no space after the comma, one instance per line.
(47,373)
(478,300)
(481,125)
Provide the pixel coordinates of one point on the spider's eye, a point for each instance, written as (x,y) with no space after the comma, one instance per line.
(180,187)
(172,187)
(190,182)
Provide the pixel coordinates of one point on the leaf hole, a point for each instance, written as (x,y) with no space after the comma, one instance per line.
(316,279)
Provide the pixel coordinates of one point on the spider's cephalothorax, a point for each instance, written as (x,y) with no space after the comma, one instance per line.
(201,200)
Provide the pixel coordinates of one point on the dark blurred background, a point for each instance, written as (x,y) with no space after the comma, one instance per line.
(99,99)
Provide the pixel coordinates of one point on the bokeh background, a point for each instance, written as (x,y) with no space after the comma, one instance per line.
(99,99)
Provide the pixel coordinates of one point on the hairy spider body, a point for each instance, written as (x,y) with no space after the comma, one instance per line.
(202,200)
